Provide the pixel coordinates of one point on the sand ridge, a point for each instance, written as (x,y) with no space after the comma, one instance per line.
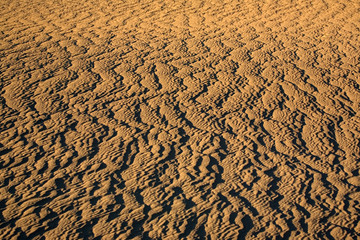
(181,119)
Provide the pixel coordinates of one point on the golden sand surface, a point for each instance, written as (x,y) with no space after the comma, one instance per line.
(186,119)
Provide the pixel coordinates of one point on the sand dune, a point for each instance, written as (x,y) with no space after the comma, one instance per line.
(170,119)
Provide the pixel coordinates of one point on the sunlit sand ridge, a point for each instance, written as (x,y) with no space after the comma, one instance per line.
(179,119)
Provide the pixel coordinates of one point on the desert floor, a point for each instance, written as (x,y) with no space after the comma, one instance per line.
(186,119)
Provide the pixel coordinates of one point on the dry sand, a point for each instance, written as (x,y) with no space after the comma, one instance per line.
(183,119)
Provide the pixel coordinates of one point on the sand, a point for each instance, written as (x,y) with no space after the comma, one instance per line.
(170,119)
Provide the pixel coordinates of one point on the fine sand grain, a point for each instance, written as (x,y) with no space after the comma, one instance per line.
(186,119)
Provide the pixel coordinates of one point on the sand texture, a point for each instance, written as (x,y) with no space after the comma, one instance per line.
(186,119)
